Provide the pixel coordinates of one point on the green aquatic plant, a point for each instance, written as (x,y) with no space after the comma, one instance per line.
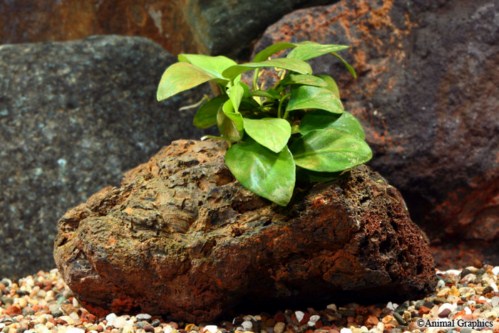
(296,129)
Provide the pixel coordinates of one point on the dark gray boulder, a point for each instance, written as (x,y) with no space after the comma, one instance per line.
(73,117)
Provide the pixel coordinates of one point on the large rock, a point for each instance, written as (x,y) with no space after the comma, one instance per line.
(73,117)
(181,237)
(218,26)
(428,96)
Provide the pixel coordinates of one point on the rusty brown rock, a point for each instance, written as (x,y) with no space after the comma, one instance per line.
(181,237)
(428,97)
(215,26)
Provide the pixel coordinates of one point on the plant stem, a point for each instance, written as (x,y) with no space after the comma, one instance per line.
(255,79)
(279,108)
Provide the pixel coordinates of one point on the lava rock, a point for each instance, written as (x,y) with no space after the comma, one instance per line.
(181,237)
(216,26)
(428,97)
(73,117)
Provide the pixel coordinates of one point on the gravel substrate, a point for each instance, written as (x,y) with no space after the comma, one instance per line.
(43,303)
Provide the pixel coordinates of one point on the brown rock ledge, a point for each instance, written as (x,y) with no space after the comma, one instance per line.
(181,237)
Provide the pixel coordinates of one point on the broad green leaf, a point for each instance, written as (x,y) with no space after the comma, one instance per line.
(294,65)
(268,174)
(206,116)
(304,79)
(179,77)
(236,93)
(346,64)
(307,97)
(306,51)
(331,84)
(230,124)
(272,49)
(330,150)
(272,133)
(309,176)
(345,122)
(212,65)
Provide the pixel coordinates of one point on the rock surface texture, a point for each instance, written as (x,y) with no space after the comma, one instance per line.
(73,117)
(215,26)
(428,96)
(181,237)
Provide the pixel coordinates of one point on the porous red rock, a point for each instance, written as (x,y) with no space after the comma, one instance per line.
(181,237)
(428,97)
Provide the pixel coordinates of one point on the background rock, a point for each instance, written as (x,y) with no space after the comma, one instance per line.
(214,27)
(73,117)
(180,236)
(428,96)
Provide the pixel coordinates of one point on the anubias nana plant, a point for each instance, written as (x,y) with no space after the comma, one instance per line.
(296,130)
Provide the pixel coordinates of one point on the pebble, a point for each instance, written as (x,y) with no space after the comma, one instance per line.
(279,327)
(143,316)
(42,303)
(247,325)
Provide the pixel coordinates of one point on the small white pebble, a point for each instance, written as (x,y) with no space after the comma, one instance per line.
(170,329)
(143,316)
(110,318)
(128,328)
(495,270)
(209,328)
(493,285)
(449,306)
(392,306)
(494,301)
(75,330)
(345,330)
(453,272)
(313,320)
(120,322)
(467,310)
(299,315)
(247,325)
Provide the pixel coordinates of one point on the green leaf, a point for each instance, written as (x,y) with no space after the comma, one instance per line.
(272,49)
(236,93)
(294,65)
(309,176)
(268,174)
(304,79)
(271,94)
(310,50)
(179,77)
(330,150)
(230,124)
(346,64)
(331,84)
(212,65)
(272,133)
(307,97)
(346,122)
(206,116)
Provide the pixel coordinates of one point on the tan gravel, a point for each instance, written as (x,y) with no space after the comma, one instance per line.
(42,303)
